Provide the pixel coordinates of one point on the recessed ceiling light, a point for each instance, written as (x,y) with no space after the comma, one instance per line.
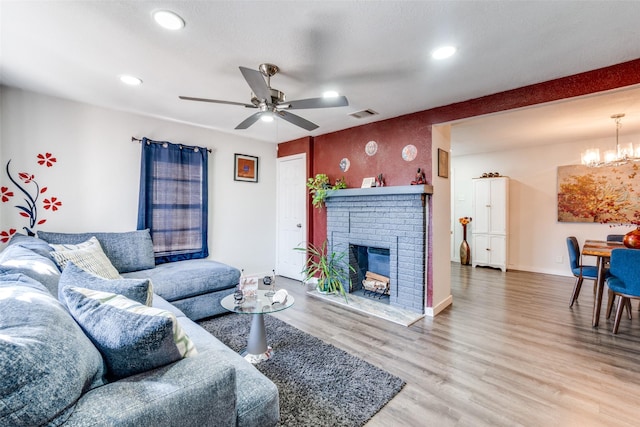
(330,94)
(443,52)
(168,20)
(130,80)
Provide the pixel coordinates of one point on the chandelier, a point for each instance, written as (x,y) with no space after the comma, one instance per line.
(621,155)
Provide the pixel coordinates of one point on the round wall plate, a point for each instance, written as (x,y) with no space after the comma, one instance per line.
(409,152)
(371,148)
(345,164)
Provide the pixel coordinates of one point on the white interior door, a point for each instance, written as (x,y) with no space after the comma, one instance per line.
(291,214)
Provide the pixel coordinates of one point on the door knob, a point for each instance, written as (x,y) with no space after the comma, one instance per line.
(299,225)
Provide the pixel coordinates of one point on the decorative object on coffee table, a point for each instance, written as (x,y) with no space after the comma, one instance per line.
(465,250)
(270,281)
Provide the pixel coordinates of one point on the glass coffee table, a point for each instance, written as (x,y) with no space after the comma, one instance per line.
(257,349)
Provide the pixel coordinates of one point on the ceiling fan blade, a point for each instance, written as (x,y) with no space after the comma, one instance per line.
(297,120)
(249,120)
(216,101)
(257,84)
(339,101)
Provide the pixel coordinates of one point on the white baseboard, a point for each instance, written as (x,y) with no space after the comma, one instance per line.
(433,311)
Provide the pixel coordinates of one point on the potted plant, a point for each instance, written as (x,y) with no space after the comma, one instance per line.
(329,268)
(319,187)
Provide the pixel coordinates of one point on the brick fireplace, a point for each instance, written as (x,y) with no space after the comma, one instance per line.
(388,218)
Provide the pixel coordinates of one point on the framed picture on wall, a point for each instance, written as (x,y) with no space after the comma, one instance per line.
(443,163)
(245,168)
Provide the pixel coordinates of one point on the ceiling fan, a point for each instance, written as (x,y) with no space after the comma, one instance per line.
(271,102)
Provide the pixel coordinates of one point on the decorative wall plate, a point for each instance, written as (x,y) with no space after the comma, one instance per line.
(345,164)
(371,148)
(409,152)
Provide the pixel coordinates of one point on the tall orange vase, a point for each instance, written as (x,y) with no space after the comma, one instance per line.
(465,250)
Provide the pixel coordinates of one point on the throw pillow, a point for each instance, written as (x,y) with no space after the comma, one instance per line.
(127,250)
(20,259)
(37,245)
(46,361)
(139,290)
(132,338)
(88,256)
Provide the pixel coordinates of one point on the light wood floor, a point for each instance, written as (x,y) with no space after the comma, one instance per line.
(508,352)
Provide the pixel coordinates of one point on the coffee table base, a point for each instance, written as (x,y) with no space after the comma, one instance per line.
(257,358)
(257,349)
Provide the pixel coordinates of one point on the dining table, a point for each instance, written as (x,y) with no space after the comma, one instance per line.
(601,249)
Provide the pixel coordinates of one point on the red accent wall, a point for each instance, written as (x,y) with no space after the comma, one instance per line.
(324,152)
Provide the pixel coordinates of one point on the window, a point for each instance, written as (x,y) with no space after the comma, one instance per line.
(173,201)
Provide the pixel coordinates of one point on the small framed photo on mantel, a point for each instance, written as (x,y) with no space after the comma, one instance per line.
(368,182)
(245,168)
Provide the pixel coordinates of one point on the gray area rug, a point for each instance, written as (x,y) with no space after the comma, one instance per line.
(319,384)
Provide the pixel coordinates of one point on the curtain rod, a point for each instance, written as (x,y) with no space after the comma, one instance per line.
(134,139)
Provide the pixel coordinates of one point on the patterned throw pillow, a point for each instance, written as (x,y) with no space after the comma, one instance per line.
(128,250)
(132,337)
(139,290)
(88,256)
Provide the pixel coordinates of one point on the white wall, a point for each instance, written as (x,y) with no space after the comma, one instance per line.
(96,175)
(537,240)
(441,208)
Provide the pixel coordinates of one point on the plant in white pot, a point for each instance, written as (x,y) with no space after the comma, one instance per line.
(330,269)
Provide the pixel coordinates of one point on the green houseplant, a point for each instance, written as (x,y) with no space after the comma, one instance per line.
(319,187)
(330,268)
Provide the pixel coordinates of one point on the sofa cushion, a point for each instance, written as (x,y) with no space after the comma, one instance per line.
(128,251)
(19,259)
(46,360)
(139,290)
(182,279)
(86,255)
(39,246)
(132,337)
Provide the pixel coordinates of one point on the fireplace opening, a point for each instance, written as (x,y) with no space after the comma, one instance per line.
(371,276)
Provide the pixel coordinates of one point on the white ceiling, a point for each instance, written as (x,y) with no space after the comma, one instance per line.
(377,53)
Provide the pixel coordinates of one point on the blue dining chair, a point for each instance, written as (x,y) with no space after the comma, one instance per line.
(580,271)
(615,237)
(624,279)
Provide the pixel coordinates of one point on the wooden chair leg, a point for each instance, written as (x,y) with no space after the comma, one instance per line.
(619,309)
(576,290)
(610,301)
(628,305)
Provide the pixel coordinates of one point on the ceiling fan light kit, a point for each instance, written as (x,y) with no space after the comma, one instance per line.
(272,102)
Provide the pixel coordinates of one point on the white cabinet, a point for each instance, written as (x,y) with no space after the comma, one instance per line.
(490,222)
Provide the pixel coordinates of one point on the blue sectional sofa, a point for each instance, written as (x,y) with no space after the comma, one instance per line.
(193,286)
(54,367)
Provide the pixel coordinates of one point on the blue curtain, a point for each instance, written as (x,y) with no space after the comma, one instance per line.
(173,201)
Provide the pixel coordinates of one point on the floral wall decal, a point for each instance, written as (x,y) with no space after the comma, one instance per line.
(27,185)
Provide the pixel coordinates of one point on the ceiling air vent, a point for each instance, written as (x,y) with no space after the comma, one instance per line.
(364,113)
